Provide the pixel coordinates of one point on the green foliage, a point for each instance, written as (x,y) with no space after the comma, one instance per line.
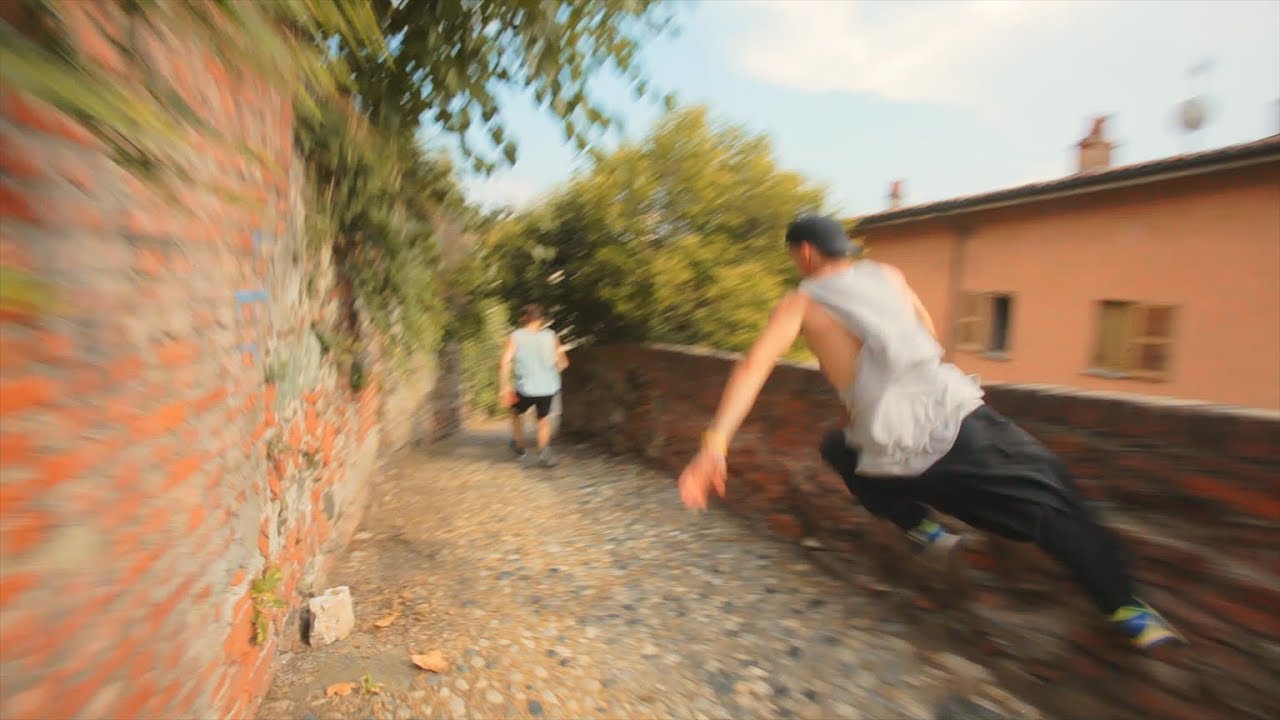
(677,239)
(374,198)
(356,377)
(366,75)
(369,686)
(24,294)
(262,593)
(384,198)
(343,349)
(142,122)
(449,57)
(481,350)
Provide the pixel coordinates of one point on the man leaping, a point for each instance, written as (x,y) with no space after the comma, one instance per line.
(920,434)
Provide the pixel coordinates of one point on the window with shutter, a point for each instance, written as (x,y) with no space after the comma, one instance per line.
(1113,340)
(983,322)
(1151,339)
(1134,339)
(969,321)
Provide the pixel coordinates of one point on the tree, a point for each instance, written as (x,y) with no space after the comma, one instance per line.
(442,61)
(365,75)
(446,59)
(675,239)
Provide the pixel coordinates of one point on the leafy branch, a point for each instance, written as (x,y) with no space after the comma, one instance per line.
(262,592)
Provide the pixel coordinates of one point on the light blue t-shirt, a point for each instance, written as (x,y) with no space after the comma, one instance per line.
(535,360)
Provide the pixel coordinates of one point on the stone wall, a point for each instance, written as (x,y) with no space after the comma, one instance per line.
(1192,488)
(173,424)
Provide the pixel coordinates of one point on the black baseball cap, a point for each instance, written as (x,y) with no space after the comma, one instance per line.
(826,234)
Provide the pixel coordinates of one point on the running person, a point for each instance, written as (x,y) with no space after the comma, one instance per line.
(534,352)
(919,434)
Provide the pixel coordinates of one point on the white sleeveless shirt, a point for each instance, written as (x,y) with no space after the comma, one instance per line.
(906,404)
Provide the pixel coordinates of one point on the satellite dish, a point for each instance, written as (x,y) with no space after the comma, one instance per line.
(1192,114)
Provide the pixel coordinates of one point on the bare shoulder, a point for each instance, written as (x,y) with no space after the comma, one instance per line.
(897,277)
(795,301)
(893,272)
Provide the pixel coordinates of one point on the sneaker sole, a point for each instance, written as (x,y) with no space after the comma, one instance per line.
(1163,645)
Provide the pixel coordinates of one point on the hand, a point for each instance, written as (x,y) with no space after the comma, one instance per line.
(506,398)
(707,470)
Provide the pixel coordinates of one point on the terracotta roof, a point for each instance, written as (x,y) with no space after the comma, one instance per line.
(1251,153)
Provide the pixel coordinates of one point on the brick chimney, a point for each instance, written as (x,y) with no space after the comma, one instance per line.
(1095,148)
(895,194)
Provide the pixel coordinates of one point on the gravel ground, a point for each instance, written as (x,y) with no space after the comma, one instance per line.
(587,591)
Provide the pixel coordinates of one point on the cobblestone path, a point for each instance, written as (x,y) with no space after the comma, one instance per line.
(587,591)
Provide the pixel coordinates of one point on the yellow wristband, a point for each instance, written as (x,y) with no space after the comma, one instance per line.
(714,441)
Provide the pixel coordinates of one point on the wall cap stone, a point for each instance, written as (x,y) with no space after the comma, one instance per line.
(1197,406)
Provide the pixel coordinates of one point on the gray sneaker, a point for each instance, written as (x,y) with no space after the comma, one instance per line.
(943,553)
(942,548)
(546,459)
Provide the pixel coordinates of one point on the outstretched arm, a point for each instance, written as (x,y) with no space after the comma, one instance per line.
(708,467)
(750,373)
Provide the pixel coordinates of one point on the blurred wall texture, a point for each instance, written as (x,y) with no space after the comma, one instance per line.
(173,426)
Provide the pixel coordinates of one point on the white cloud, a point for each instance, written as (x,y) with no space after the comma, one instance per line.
(502,189)
(1022,65)
(916,51)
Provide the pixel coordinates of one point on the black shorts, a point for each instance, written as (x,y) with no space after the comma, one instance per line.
(524,402)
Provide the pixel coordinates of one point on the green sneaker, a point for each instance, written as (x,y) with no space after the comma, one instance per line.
(936,546)
(1146,628)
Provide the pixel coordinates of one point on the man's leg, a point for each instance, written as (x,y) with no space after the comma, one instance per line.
(881,497)
(1095,557)
(517,425)
(899,500)
(544,433)
(543,406)
(1000,479)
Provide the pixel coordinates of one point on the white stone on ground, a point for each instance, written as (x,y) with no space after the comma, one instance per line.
(332,617)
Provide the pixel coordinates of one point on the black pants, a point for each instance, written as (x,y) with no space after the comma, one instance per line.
(1000,479)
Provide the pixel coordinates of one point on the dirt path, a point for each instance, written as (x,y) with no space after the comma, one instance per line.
(586,591)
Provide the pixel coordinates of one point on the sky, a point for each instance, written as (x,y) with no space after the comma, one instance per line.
(953,97)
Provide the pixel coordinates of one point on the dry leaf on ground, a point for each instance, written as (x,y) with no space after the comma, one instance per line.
(433,661)
(339,689)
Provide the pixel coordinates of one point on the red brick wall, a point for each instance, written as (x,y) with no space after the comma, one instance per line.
(1192,488)
(170,425)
